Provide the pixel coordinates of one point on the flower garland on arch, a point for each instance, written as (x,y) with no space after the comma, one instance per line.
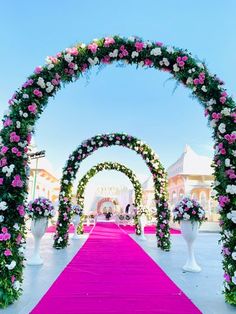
(29,101)
(106,140)
(109,166)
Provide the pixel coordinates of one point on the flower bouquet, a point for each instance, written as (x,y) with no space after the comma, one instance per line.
(189,209)
(41,207)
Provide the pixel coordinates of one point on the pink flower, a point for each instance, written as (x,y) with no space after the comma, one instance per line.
(1,237)
(223,200)
(216,116)
(29,137)
(38,70)
(222,100)
(148,62)
(93,47)
(139,46)
(18,239)
(223,151)
(21,210)
(108,41)
(73,51)
(17,182)
(4,149)
(196,81)
(32,108)
(106,60)
(231,174)
(4,229)
(227,277)
(14,137)
(7,122)
(3,162)
(37,93)
(6,236)
(158,43)
(28,83)
(14,150)
(7,252)
(84,67)
(1,181)
(13,278)
(230,138)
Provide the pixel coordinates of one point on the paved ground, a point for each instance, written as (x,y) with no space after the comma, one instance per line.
(203,288)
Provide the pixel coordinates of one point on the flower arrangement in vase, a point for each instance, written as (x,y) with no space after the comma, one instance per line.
(190,214)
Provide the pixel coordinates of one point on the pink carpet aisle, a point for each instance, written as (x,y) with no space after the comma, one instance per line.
(128,229)
(112,274)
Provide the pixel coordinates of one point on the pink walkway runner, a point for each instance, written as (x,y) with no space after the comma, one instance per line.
(112,274)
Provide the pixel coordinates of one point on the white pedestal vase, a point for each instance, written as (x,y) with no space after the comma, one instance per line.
(75,221)
(38,228)
(190,231)
(142,221)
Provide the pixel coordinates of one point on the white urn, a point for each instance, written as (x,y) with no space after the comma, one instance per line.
(76,221)
(38,229)
(189,231)
(142,221)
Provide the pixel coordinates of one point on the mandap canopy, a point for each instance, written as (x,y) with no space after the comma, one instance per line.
(29,101)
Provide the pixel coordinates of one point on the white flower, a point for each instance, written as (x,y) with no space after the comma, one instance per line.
(16,285)
(3,205)
(18,124)
(131,38)
(114,54)
(189,80)
(50,66)
(204,89)
(232,215)
(25,96)
(25,115)
(231,189)
(211,102)
(41,82)
(186,216)
(175,67)
(82,45)
(213,123)
(234,278)
(11,265)
(93,61)
(234,153)
(227,162)
(234,255)
(189,204)
(200,65)
(165,62)
(225,112)
(181,210)
(141,63)
(16,226)
(134,54)
(66,181)
(8,170)
(156,51)
(68,58)
(221,128)
(1,218)
(170,49)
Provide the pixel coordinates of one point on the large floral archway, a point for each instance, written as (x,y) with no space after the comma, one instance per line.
(29,101)
(106,140)
(109,166)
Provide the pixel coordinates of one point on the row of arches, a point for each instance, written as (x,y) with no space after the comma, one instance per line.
(28,103)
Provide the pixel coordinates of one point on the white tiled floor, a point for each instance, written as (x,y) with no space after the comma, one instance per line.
(204,288)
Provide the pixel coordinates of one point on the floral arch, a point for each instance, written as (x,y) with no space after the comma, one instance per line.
(29,101)
(109,166)
(106,140)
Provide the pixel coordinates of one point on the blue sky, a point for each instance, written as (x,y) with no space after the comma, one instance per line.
(139,102)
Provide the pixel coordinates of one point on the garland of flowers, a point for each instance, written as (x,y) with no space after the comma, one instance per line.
(106,140)
(29,101)
(109,166)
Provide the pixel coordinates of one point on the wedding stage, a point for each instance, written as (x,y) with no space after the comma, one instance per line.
(112,274)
